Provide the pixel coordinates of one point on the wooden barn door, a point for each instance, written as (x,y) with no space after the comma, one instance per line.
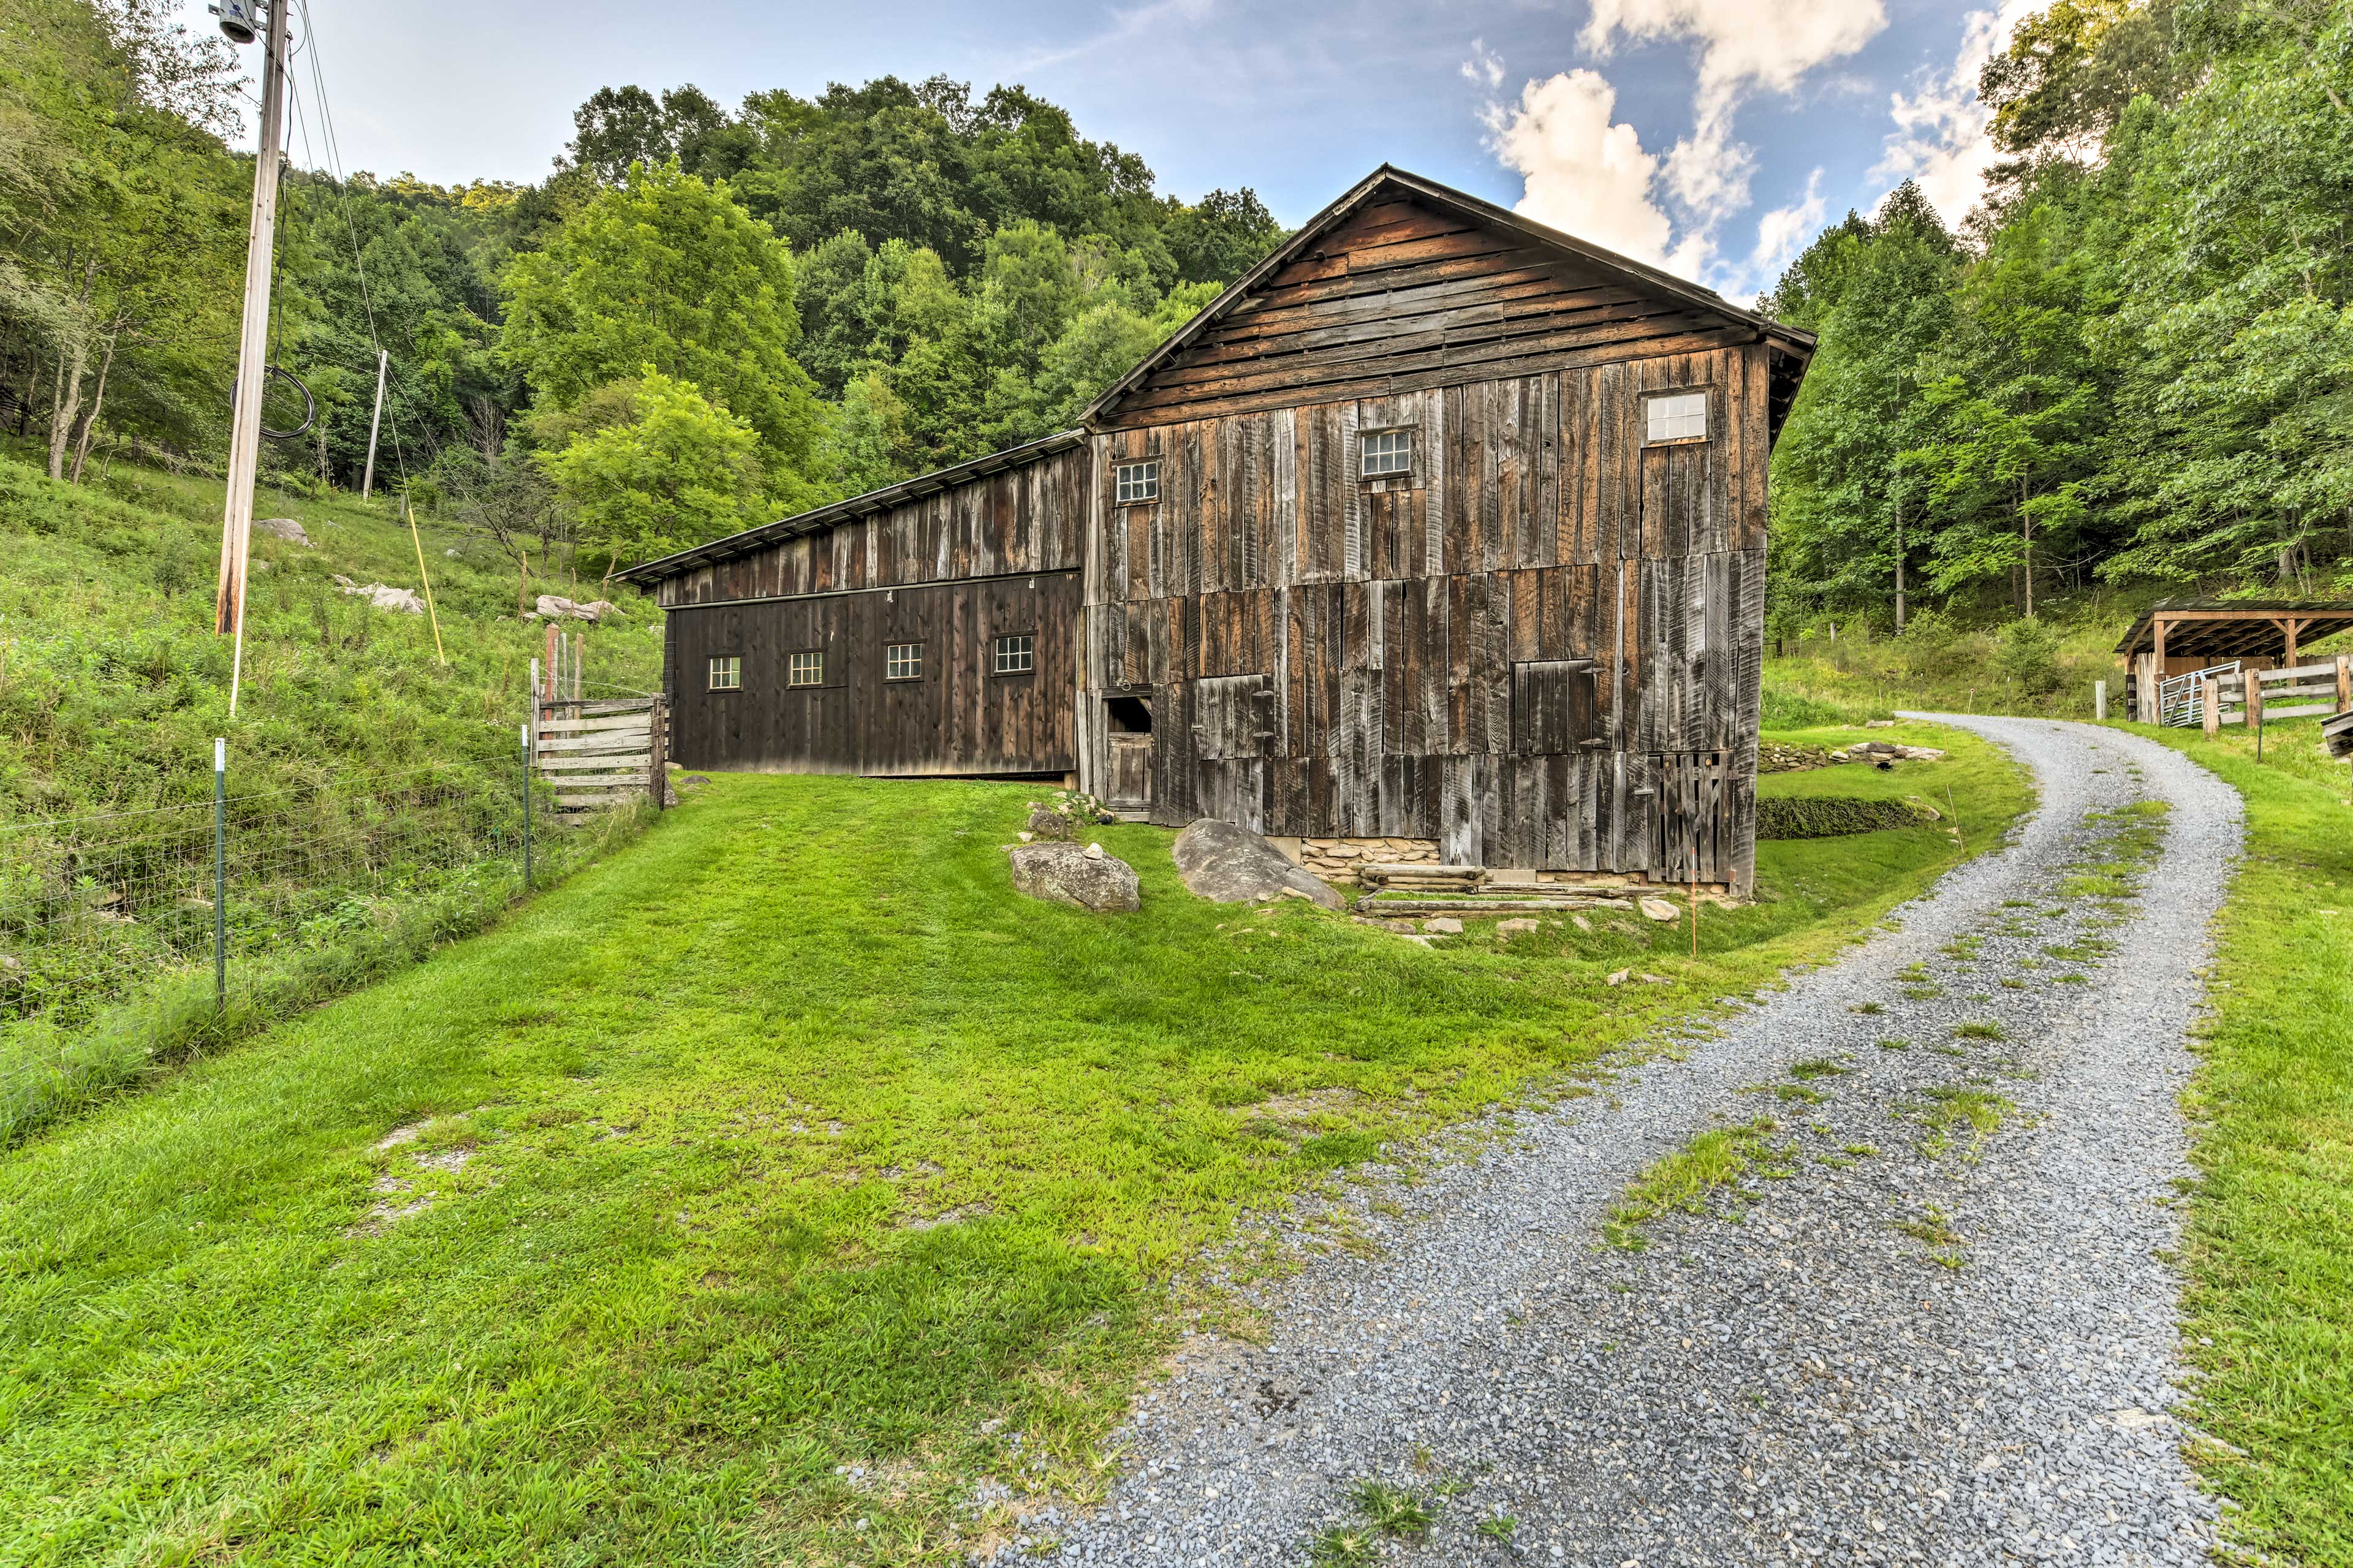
(1233,721)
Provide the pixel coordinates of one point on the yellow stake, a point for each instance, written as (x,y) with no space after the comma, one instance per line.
(430,614)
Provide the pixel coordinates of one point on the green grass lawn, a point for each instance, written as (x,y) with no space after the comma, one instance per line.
(786,1137)
(2270,1304)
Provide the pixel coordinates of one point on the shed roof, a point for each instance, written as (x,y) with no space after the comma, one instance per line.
(857,506)
(2234,629)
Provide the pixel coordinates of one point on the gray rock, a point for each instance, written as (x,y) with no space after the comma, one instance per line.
(1660,910)
(1066,874)
(1047,822)
(1442,925)
(383,597)
(284,528)
(1232,865)
(1513,928)
(554,607)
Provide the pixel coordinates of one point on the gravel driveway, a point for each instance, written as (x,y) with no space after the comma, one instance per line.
(1933,1325)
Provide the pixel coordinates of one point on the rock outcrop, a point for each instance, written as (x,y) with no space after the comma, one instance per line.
(1232,865)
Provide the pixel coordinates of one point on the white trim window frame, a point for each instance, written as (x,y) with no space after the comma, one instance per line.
(1385,454)
(726,672)
(1137,483)
(805,669)
(902,661)
(1674,419)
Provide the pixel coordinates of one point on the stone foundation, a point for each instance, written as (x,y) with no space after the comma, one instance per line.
(1336,859)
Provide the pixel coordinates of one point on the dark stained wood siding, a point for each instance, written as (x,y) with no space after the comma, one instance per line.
(957,718)
(1402,297)
(1386,619)
(1026,519)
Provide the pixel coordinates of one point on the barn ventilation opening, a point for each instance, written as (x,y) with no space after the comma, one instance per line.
(1128,715)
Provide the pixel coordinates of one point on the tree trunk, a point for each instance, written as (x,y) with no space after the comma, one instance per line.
(2026,531)
(1899,565)
(97,402)
(66,404)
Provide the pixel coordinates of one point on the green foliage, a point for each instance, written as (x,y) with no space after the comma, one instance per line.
(2135,371)
(2027,652)
(673,472)
(1830,817)
(669,272)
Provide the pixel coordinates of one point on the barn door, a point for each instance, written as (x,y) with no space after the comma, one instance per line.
(1127,730)
(1233,722)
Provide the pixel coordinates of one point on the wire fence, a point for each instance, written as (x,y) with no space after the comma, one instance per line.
(133,940)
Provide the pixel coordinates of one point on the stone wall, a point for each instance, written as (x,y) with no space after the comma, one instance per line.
(1336,859)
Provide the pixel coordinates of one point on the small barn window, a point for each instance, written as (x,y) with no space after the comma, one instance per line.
(1677,417)
(807,669)
(1554,706)
(1386,453)
(1015,655)
(727,673)
(1138,481)
(902,661)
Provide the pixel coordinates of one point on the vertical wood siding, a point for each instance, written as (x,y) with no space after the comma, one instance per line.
(1385,620)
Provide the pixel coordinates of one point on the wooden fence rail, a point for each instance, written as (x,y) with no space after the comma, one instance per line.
(2298,693)
(599,753)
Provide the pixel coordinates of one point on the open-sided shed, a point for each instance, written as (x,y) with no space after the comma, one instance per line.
(2181,637)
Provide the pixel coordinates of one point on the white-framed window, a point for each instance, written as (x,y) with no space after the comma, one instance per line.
(727,673)
(1138,482)
(1385,454)
(902,661)
(805,669)
(1675,416)
(1016,655)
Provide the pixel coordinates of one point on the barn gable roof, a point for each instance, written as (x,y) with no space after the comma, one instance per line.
(1388,184)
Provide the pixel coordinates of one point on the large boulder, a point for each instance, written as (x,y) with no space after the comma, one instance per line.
(555,607)
(1234,866)
(285,528)
(1071,874)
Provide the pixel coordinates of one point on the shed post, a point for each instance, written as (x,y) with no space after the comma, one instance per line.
(2255,679)
(2210,705)
(2344,682)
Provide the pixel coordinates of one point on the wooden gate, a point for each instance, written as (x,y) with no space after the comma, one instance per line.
(601,753)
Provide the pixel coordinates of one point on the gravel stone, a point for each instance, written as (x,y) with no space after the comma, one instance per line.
(1791,1375)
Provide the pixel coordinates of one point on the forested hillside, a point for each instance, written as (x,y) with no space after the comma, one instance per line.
(2130,372)
(701,318)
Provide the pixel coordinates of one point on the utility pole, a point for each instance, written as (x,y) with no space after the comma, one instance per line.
(253,344)
(367,480)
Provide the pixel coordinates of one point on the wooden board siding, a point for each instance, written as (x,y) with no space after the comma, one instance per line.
(957,718)
(1022,521)
(1402,297)
(1386,619)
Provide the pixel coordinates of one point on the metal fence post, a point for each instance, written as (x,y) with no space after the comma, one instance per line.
(526,805)
(220,874)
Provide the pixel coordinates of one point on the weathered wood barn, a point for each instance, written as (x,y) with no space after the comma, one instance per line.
(1439,527)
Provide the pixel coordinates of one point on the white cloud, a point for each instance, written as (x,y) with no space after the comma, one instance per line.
(1484,68)
(1784,231)
(1586,173)
(1942,130)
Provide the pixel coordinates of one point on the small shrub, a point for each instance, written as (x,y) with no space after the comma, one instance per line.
(1829,816)
(2027,652)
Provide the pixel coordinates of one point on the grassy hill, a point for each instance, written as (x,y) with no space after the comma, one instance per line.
(112,684)
(783,1140)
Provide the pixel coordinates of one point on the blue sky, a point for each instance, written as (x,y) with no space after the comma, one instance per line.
(1714,136)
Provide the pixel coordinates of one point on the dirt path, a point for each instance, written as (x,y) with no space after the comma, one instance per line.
(1933,1327)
